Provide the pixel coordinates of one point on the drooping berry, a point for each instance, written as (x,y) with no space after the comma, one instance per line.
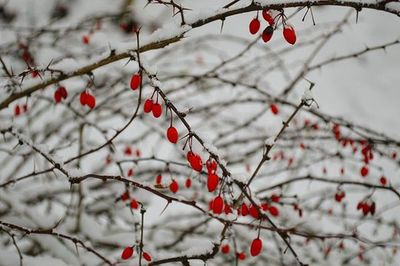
(244,209)
(256,247)
(172,134)
(339,196)
(17,110)
(148,106)
(227,209)
(195,161)
(275,198)
(364,171)
(241,256)
(188,183)
(125,196)
(174,186)
(254,26)
(289,34)
(254,212)
(135,81)
(212,182)
(274,109)
(383,180)
(267,33)
(57,96)
(273,211)
(268,17)
(157,110)
(134,204)
(83,98)
(86,39)
(91,101)
(127,253)
(211,165)
(158,179)
(218,205)
(128,151)
(146,256)
(63,92)
(225,249)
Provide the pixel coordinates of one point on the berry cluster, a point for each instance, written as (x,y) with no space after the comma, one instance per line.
(60,94)
(272,17)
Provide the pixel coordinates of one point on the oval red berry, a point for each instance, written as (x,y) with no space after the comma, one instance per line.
(127,253)
(174,187)
(256,247)
(148,106)
(172,135)
(289,34)
(212,182)
(156,110)
(254,26)
(135,81)
(146,256)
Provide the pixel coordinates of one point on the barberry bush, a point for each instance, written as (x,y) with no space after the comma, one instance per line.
(199,132)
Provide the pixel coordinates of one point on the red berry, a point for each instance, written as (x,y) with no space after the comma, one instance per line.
(157,110)
(227,209)
(91,101)
(365,209)
(268,17)
(265,206)
(127,253)
(372,208)
(85,39)
(83,98)
(125,196)
(130,172)
(256,247)
(128,151)
(17,110)
(383,181)
(218,205)
(148,106)
(63,92)
(172,134)
(225,249)
(57,96)
(254,26)
(273,211)
(274,109)
(289,34)
(339,196)
(267,33)
(188,183)
(195,161)
(135,81)
(134,204)
(364,171)
(174,186)
(212,182)
(146,256)
(254,212)
(241,256)
(158,180)
(189,156)
(244,209)
(211,165)
(275,198)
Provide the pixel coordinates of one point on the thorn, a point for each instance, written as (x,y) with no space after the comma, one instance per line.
(168,202)
(222,25)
